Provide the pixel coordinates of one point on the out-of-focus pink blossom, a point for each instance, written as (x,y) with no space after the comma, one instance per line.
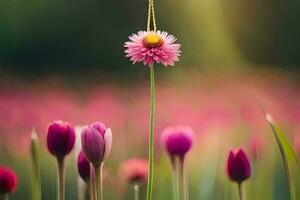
(177,140)
(8,181)
(134,170)
(256,144)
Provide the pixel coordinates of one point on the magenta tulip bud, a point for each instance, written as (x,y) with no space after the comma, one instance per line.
(83,166)
(177,140)
(60,138)
(134,171)
(96,142)
(238,166)
(8,181)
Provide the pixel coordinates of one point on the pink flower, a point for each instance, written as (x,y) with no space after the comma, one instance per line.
(256,144)
(150,47)
(134,170)
(8,180)
(177,140)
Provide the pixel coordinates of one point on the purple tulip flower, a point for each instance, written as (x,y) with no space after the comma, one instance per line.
(238,166)
(177,140)
(96,142)
(60,138)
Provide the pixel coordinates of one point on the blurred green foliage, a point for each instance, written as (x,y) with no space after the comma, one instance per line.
(38,36)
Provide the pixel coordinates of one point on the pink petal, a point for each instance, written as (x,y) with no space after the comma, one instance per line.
(108,142)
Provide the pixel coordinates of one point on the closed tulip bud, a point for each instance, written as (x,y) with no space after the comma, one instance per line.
(177,140)
(93,145)
(238,166)
(83,166)
(8,181)
(60,138)
(96,142)
(134,171)
(60,142)
(107,136)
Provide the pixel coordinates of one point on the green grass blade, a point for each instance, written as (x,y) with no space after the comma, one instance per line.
(35,176)
(291,163)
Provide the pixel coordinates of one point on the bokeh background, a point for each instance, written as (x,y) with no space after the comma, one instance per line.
(64,60)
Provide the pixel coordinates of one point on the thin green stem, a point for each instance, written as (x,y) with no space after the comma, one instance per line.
(61,179)
(136,191)
(151,134)
(183,186)
(175,184)
(99,189)
(241,193)
(92,189)
(87,191)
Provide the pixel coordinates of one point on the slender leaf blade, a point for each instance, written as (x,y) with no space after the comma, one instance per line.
(291,163)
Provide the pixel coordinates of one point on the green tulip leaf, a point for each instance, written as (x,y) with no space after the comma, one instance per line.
(291,163)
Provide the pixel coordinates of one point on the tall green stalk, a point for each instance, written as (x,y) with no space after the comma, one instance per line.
(92,185)
(99,187)
(61,179)
(241,194)
(151,134)
(183,185)
(175,184)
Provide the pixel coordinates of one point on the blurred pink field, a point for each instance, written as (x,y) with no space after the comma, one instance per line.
(212,104)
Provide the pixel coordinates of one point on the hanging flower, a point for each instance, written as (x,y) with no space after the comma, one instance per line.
(152,46)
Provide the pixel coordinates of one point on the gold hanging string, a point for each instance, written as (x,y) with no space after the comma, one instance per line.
(153,16)
(149,15)
(151,12)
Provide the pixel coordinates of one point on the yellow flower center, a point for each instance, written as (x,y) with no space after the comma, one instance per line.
(153,40)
